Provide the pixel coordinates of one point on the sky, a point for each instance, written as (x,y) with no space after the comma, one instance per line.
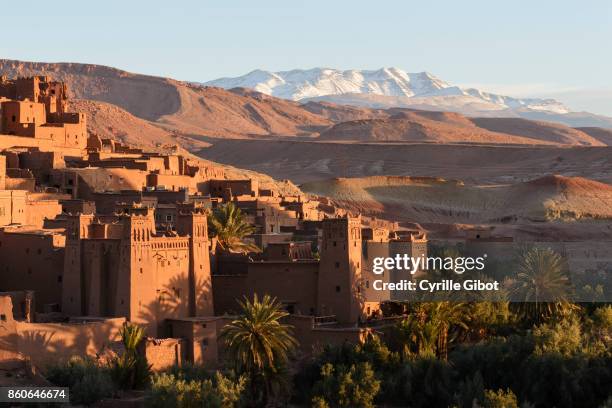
(520,48)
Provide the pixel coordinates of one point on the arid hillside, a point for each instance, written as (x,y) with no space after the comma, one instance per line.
(475,164)
(539,130)
(178,106)
(110,121)
(190,111)
(601,134)
(238,113)
(448,127)
(413,128)
(436,200)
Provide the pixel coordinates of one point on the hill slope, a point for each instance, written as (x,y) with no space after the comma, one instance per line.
(448,127)
(438,200)
(179,106)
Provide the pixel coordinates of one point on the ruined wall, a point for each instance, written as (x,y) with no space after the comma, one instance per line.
(163,354)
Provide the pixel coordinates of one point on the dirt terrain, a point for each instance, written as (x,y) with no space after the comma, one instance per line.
(601,134)
(110,121)
(474,164)
(436,200)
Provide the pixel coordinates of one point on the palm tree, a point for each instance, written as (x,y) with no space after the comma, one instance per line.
(433,326)
(542,287)
(227,223)
(130,369)
(258,343)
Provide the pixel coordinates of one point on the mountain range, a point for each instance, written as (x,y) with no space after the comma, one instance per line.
(393,88)
(149,110)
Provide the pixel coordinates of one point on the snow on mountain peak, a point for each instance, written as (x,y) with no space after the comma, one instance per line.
(300,84)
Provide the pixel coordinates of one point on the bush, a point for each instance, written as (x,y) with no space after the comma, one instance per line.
(499,399)
(599,329)
(87,381)
(563,337)
(169,391)
(356,387)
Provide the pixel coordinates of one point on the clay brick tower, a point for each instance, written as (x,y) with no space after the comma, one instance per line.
(73,281)
(137,283)
(195,225)
(339,288)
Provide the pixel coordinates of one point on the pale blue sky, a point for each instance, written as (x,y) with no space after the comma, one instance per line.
(537,47)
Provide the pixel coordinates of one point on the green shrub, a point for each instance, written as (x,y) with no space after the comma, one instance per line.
(356,387)
(599,328)
(87,381)
(563,337)
(169,391)
(499,399)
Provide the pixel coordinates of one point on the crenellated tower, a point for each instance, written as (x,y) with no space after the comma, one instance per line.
(194,224)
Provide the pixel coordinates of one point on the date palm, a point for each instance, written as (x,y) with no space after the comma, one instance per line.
(542,287)
(258,343)
(432,326)
(228,224)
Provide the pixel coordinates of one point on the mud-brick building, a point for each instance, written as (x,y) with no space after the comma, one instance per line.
(121,266)
(34,109)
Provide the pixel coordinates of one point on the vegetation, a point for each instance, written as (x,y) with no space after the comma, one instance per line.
(542,288)
(440,354)
(228,224)
(355,386)
(499,399)
(168,390)
(258,345)
(88,382)
(564,362)
(130,369)
(431,327)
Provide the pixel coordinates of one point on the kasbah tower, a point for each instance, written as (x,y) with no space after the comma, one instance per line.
(340,283)
(126,269)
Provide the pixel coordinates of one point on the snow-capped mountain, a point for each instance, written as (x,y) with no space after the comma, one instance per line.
(327,84)
(300,84)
